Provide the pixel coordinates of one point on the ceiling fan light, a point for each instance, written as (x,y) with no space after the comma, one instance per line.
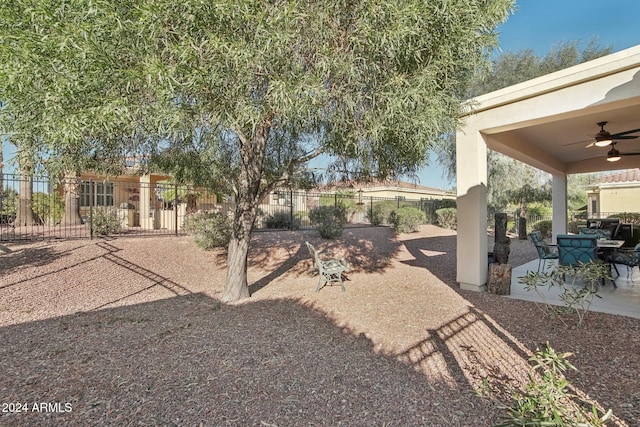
(613,155)
(602,142)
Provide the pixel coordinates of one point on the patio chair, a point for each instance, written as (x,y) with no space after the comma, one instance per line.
(626,257)
(329,270)
(574,249)
(545,251)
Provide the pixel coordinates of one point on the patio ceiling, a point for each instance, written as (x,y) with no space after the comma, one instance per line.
(548,122)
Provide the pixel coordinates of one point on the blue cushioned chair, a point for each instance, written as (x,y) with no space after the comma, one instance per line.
(545,251)
(574,249)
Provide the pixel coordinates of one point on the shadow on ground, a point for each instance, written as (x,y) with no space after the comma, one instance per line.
(189,360)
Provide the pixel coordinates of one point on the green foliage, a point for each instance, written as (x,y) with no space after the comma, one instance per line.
(407,220)
(247,91)
(575,298)
(544,227)
(627,217)
(574,227)
(9,203)
(210,229)
(447,218)
(281,220)
(328,220)
(379,213)
(547,399)
(48,208)
(105,221)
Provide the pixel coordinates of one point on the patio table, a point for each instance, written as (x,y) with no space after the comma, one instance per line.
(606,247)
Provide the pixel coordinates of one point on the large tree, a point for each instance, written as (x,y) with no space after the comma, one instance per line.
(260,86)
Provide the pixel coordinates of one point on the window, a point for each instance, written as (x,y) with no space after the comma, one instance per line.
(102,196)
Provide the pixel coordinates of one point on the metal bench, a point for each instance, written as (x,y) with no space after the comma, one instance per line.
(329,270)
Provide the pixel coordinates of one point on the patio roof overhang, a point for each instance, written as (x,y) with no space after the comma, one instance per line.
(547,123)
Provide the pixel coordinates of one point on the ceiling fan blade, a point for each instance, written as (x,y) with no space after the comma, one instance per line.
(629,154)
(578,142)
(625,137)
(627,132)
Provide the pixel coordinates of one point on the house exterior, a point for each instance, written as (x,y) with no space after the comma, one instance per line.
(614,193)
(391,189)
(145,201)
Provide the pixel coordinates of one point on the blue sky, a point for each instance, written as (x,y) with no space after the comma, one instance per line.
(540,24)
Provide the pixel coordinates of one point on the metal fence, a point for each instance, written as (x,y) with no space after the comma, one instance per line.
(133,205)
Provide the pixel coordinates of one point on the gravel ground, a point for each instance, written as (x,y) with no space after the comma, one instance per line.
(130,331)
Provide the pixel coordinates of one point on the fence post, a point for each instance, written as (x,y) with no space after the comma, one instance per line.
(291,209)
(91,195)
(371,211)
(175,208)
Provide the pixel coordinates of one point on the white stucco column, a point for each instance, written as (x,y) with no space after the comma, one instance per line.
(559,205)
(471,164)
(145,202)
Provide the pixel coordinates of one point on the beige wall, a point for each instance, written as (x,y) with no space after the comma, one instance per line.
(623,198)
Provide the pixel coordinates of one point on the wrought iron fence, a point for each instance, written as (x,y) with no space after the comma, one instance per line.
(134,205)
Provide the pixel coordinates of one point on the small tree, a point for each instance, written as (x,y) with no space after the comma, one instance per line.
(259,88)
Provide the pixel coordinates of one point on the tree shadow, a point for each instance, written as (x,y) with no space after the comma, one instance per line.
(29,256)
(189,358)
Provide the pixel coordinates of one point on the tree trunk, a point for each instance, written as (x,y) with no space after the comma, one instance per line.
(71,184)
(25,215)
(236,287)
(252,152)
(522,222)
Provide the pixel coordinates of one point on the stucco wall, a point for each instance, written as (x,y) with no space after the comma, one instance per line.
(623,198)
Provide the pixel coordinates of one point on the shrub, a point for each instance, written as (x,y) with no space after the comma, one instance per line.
(280,220)
(547,400)
(575,298)
(447,217)
(380,211)
(544,227)
(48,208)
(627,217)
(407,220)
(329,220)
(209,229)
(105,221)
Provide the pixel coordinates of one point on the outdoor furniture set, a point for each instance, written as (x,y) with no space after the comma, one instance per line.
(590,245)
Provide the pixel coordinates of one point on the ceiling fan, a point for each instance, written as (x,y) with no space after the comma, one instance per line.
(604,138)
(614,155)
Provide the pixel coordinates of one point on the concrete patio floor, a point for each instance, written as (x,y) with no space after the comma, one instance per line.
(623,300)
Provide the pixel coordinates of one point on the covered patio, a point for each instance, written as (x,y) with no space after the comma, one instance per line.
(547,123)
(623,300)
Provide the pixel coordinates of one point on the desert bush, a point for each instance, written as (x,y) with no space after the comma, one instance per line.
(105,221)
(575,298)
(328,220)
(447,218)
(544,227)
(379,213)
(547,399)
(48,208)
(209,229)
(407,220)
(280,220)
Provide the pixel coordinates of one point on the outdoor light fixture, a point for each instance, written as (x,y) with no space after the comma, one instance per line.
(603,138)
(602,142)
(613,155)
